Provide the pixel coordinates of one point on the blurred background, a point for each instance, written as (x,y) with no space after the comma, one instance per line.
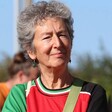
(91,57)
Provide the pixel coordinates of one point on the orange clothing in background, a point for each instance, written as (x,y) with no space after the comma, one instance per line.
(4,91)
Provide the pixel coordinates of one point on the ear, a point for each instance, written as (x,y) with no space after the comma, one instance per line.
(32,55)
(20,75)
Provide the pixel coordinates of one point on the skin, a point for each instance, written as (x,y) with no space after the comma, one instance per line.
(52,45)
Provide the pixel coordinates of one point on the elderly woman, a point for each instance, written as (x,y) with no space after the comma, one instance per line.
(45,32)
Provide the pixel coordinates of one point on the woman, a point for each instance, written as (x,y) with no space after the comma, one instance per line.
(19,71)
(45,32)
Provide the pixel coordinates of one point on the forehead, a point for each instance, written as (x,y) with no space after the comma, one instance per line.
(48,23)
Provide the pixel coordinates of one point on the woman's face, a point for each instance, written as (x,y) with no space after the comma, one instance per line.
(52,43)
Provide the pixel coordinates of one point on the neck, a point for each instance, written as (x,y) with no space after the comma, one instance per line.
(10,83)
(56,78)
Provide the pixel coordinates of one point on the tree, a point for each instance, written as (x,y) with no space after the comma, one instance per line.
(4,63)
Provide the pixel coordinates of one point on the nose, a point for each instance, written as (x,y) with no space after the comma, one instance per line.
(57,41)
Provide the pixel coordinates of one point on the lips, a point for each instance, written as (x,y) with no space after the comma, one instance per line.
(58,54)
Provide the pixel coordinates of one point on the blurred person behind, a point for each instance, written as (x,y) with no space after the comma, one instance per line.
(20,71)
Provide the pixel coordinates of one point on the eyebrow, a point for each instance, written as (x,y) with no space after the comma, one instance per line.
(47,33)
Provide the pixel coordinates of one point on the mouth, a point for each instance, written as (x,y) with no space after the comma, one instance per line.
(58,55)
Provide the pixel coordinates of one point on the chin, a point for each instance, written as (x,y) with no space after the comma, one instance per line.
(59,64)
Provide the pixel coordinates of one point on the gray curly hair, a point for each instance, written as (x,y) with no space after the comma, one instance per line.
(34,14)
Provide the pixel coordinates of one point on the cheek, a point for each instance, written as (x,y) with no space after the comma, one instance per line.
(68,48)
(43,50)
(68,45)
(69,52)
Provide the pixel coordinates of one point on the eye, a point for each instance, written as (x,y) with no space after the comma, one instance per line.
(62,35)
(45,38)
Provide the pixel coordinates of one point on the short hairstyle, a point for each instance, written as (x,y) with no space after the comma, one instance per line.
(34,14)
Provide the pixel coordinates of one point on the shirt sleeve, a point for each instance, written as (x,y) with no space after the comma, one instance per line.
(16,101)
(1,100)
(98,102)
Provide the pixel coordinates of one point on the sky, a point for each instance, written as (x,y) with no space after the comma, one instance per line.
(92,26)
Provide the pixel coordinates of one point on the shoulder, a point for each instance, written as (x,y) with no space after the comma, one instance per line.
(98,98)
(93,88)
(2,84)
(89,87)
(16,100)
(17,93)
(22,88)
(4,89)
(19,88)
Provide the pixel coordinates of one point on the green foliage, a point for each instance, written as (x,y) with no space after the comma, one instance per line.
(4,63)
